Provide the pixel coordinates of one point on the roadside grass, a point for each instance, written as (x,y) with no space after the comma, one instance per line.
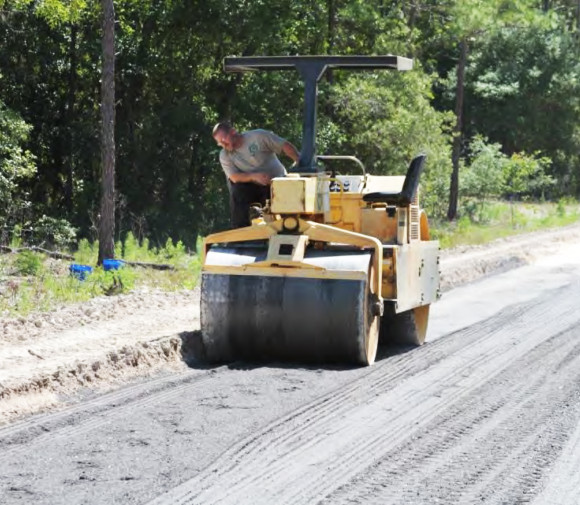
(30,281)
(501,219)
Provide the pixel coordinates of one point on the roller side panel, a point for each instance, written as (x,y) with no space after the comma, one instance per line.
(417,274)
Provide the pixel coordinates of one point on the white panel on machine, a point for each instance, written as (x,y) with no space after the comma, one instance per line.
(347,184)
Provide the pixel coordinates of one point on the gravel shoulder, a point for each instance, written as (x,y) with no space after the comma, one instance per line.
(47,358)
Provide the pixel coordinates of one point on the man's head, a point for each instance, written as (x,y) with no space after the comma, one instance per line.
(225,135)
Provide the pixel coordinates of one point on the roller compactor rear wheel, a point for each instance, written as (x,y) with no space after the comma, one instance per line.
(408,328)
(289,317)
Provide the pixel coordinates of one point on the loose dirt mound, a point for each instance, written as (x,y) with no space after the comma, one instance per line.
(100,343)
(468,263)
(46,357)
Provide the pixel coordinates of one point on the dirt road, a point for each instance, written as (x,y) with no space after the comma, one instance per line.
(488,411)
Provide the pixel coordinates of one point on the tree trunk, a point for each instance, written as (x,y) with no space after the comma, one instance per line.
(69,118)
(411,16)
(331,8)
(107,217)
(457,138)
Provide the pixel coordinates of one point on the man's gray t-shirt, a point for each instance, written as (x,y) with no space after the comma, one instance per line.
(256,154)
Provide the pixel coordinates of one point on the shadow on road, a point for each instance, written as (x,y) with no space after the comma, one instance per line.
(193,354)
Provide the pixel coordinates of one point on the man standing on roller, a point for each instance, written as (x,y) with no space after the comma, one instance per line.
(250,162)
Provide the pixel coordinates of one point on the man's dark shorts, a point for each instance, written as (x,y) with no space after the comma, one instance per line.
(242,196)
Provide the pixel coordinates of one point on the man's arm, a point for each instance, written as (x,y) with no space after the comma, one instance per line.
(234,175)
(256,177)
(263,178)
(289,150)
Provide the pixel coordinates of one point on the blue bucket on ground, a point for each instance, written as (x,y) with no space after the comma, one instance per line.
(111,264)
(80,271)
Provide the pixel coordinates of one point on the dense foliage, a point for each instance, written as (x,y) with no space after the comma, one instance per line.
(520,135)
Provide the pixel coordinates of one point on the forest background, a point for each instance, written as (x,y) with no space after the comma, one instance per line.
(493,99)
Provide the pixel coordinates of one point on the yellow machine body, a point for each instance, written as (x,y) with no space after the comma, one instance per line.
(407,272)
(304,214)
(299,195)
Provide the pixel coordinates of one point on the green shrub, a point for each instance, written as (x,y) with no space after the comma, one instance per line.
(525,175)
(28,263)
(54,232)
(87,253)
(134,251)
(16,240)
(561,208)
(483,178)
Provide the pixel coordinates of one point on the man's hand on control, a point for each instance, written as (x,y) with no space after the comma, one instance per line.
(261,178)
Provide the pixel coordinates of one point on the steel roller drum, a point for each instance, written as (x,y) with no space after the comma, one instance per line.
(288,317)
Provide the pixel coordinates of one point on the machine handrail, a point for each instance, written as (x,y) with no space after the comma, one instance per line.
(324,157)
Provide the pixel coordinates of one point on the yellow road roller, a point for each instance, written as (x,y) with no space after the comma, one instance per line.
(333,263)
